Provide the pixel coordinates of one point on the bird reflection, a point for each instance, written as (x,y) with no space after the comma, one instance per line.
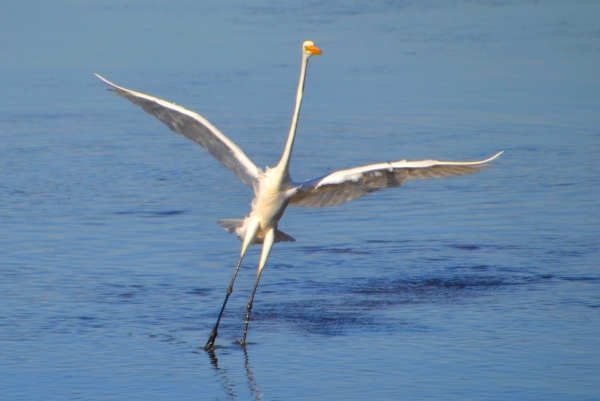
(252,386)
(228,385)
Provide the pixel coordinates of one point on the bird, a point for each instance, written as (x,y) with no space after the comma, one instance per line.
(274,189)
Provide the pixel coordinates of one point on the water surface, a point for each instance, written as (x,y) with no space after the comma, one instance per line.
(112,268)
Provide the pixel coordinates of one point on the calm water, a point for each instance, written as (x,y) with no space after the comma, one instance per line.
(112,268)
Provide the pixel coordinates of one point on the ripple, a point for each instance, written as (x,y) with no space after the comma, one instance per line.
(465,247)
(338,250)
(166,213)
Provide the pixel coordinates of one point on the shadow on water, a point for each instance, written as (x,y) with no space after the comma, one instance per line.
(346,291)
(360,304)
(353,298)
(371,303)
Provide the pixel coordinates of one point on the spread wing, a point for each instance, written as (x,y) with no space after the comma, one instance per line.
(346,185)
(195,127)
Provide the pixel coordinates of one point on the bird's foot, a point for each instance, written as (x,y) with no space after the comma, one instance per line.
(210,344)
(242,343)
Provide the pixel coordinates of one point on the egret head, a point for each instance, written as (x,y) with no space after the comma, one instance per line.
(309,48)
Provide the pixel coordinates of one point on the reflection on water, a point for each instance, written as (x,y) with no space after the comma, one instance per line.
(227,384)
(252,385)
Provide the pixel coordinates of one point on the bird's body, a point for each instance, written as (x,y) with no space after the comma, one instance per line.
(272,197)
(274,188)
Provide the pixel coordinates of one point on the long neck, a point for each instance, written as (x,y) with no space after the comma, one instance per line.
(284,163)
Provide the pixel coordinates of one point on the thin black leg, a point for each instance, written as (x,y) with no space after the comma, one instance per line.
(210,344)
(249,308)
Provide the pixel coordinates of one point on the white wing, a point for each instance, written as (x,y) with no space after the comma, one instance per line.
(195,127)
(346,185)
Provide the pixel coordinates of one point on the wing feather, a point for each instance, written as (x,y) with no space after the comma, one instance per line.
(195,127)
(345,185)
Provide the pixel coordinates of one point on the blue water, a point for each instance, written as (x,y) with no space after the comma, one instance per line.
(112,268)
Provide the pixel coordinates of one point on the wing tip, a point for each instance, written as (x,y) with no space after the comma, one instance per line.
(497,155)
(106,81)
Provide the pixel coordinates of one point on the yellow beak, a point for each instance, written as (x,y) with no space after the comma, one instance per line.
(314,50)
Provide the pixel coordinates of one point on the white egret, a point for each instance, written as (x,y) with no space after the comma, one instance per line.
(273,188)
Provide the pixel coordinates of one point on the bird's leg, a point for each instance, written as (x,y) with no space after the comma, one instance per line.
(213,335)
(267,245)
(250,233)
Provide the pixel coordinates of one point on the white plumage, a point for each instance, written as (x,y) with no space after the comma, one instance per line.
(274,189)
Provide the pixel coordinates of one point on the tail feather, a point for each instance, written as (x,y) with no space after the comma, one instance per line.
(232,226)
(280,236)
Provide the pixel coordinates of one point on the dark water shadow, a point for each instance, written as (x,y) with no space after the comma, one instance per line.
(361,304)
(159,213)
